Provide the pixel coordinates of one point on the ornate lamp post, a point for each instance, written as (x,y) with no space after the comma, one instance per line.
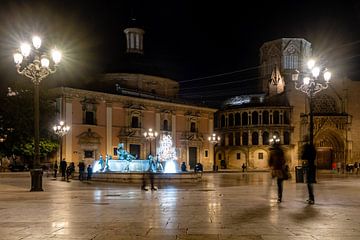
(34,64)
(312,82)
(150,135)
(214,140)
(61,130)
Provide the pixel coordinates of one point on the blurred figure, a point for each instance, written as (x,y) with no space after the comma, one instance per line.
(309,154)
(183,167)
(277,164)
(89,172)
(81,166)
(55,168)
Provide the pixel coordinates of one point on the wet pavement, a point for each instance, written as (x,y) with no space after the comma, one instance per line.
(222,206)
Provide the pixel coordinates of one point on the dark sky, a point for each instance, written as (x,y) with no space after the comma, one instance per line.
(194,41)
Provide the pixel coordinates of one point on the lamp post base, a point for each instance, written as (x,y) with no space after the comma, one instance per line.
(36,180)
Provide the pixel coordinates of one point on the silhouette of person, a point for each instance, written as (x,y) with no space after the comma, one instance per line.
(277,164)
(309,154)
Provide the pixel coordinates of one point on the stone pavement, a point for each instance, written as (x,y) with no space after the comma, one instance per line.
(222,206)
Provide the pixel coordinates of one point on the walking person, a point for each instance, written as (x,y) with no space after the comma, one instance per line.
(81,166)
(55,168)
(89,172)
(356,167)
(309,154)
(63,166)
(277,164)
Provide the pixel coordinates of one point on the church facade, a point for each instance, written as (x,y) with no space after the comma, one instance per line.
(246,122)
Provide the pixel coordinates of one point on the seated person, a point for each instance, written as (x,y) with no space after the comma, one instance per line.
(183,167)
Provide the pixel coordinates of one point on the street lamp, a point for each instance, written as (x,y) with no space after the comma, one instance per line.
(313,82)
(214,140)
(150,135)
(274,140)
(61,130)
(34,64)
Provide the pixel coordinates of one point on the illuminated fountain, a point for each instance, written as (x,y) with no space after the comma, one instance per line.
(129,169)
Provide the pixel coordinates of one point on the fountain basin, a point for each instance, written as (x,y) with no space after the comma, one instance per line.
(137,177)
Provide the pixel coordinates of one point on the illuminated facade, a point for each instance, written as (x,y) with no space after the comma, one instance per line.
(100,120)
(246,122)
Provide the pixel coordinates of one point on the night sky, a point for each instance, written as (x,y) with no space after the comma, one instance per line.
(210,47)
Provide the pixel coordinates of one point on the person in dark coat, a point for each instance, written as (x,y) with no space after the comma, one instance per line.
(81,166)
(63,166)
(89,172)
(55,168)
(309,154)
(277,164)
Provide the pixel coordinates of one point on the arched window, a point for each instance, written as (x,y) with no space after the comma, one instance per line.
(286,138)
(245,138)
(255,138)
(255,118)
(166,125)
(237,119)
(244,119)
(231,120)
(265,117)
(286,117)
(276,117)
(265,137)
(222,124)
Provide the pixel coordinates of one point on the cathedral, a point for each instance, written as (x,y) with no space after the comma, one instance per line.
(247,123)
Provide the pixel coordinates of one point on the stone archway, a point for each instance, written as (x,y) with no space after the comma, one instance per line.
(330,149)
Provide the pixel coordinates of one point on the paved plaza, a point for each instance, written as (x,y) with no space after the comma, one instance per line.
(222,206)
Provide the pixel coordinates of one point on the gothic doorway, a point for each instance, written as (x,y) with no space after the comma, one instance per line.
(329,149)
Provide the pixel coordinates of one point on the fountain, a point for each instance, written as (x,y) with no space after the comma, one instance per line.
(129,169)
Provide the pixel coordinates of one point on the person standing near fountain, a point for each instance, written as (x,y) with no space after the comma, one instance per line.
(150,173)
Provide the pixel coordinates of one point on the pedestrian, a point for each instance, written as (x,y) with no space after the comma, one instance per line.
(356,167)
(55,168)
(243,167)
(309,154)
(69,171)
(89,172)
(81,166)
(63,166)
(338,166)
(277,164)
(150,174)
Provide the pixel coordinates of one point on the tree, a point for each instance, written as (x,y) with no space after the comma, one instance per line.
(17,121)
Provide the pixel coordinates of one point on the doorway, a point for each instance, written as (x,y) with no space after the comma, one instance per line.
(192,157)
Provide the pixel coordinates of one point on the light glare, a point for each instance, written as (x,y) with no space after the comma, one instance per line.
(56,56)
(25,49)
(311,63)
(18,58)
(327,76)
(45,62)
(36,42)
